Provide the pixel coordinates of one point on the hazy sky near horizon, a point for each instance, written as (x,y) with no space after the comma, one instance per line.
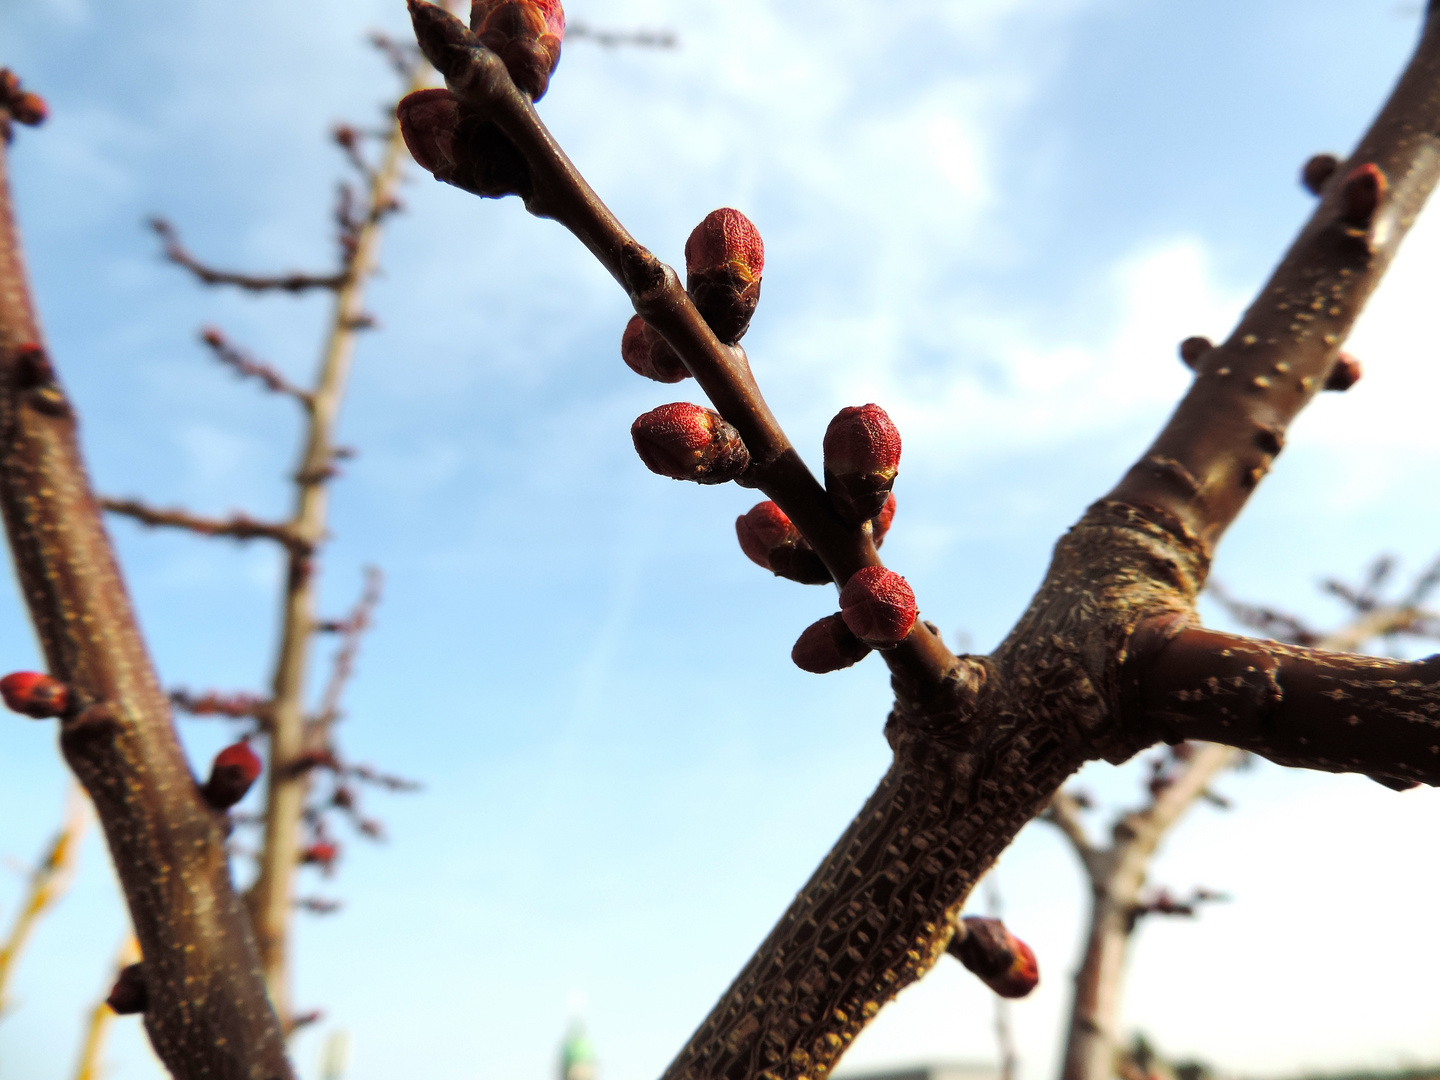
(995,218)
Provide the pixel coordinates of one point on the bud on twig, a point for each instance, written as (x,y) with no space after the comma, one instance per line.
(862,456)
(526,34)
(770,539)
(448,139)
(649,354)
(1193,348)
(323,854)
(1318,171)
(724,258)
(1362,195)
(828,645)
(878,606)
(1001,960)
(235,770)
(880,523)
(35,694)
(1344,374)
(18,104)
(129,995)
(688,442)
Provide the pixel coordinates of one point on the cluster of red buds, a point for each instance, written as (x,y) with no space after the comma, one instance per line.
(129,995)
(35,694)
(1001,960)
(234,772)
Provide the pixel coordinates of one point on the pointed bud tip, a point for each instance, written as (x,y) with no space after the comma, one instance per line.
(878,606)
(35,694)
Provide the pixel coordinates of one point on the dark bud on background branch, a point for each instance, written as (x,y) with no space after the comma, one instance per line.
(129,996)
(1001,960)
(1344,374)
(724,258)
(828,645)
(647,353)
(525,34)
(880,523)
(1317,172)
(1362,195)
(770,539)
(234,772)
(1192,349)
(458,147)
(878,606)
(34,694)
(18,104)
(862,456)
(688,442)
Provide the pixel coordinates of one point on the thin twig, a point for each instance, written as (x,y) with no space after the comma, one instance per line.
(246,366)
(610,39)
(235,527)
(293,282)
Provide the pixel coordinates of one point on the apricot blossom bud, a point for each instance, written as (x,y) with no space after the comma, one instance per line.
(129,994)
(770,539)
(235,770)
(526,35)
(458,147)
(878,605)
(1344,373)
(862,456)
(828,645)
(35,694)
(689,442)
(1001,960)
(724,258)
(1318,171)
(649,354)
(1364,190)
(880,523)
(1193,348)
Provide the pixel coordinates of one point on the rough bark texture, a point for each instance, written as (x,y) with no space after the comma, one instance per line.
(209,1016)
(982,743)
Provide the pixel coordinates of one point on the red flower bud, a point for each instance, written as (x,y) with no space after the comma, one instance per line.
(1192,349)
(35,694)
(1345,372)
(235,770)
(649,354)
(23,106)
(526,34)
(1318,171)
(862,456)
(688,442)
(448,139)
(724,258)
(1003,962)
(828,645)
(771,540)
(129,995)
(880,523)
(322,853)
(1364,191)
(878,605)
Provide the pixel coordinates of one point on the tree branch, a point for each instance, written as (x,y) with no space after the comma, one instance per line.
(247,367)
(178,254)
(236,527)
(209,1015)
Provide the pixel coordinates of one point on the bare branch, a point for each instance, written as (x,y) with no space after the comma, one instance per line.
(247,366)
(610,39)
(235,706)
(352,628)
(294,283)
(236,527)
(1064,813)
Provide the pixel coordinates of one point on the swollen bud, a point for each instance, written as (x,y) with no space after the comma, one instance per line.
(1192,349)
(129,996)
(649,354)
(1317,172)
(1001,960)
(862,456)
(1362,194)
(724,258)
(35,694)
(19,104)
(878,606)
(828,645)
(236,768)
(770,539)
(880,523)
(451,141)
(525,34)
(1345,372)
(688,442)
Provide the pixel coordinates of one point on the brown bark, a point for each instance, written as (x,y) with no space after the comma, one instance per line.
(982,743)
(209,1016)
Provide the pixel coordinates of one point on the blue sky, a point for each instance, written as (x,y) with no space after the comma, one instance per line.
(995,218)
